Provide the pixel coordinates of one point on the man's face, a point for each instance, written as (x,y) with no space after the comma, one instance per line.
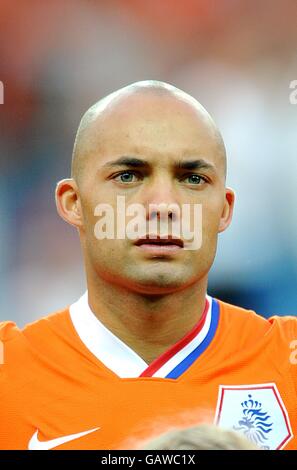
(163,134)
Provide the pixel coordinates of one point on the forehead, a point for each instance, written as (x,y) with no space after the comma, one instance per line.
(153,126)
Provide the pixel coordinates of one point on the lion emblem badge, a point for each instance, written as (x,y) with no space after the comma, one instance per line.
(257,411)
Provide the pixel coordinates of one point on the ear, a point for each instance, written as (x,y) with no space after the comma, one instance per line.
(68,202)
(227,212)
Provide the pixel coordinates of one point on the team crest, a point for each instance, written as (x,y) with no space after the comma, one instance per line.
(257,412)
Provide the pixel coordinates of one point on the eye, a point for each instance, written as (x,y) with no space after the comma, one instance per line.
(195,179)
(127,177)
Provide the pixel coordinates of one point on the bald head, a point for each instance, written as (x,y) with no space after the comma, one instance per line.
(149,103)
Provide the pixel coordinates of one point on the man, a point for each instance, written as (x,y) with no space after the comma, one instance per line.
(146,349)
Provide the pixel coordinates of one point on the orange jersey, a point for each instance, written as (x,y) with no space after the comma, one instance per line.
(68,383)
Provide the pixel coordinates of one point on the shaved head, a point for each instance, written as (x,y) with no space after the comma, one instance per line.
(139,95)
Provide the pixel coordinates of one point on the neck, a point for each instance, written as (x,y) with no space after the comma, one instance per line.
(148,324)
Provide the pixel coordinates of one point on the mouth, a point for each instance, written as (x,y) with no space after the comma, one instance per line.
(159,244)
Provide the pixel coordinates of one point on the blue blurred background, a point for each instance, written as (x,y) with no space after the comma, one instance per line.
(59,57)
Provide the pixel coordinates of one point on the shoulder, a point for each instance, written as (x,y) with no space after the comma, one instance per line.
(25,352)
(19,344)
(249,323)
(47,325)
(28,356)
(240,315)
(243,314)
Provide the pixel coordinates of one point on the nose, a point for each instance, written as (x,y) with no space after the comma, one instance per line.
(161,200)
(160,211)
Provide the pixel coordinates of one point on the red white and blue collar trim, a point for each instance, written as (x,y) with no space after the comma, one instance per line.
(125,362)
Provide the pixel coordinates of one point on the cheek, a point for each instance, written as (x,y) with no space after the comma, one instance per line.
(93,211)
(211,216)
(106,254)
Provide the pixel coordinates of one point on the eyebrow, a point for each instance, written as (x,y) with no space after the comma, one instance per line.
(199,164)
(133,162)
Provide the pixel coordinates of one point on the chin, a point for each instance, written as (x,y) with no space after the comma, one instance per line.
(160,284)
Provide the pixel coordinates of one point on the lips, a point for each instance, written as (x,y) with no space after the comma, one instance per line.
(161,241)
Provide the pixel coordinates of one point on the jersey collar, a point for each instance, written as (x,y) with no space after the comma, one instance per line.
(124,362)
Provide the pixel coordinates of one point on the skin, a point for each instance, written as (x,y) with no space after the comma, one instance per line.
(149,301)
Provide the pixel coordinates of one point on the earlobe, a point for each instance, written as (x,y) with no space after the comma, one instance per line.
(68,202)
(227,212)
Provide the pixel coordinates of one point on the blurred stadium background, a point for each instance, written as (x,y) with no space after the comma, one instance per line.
(59,57)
